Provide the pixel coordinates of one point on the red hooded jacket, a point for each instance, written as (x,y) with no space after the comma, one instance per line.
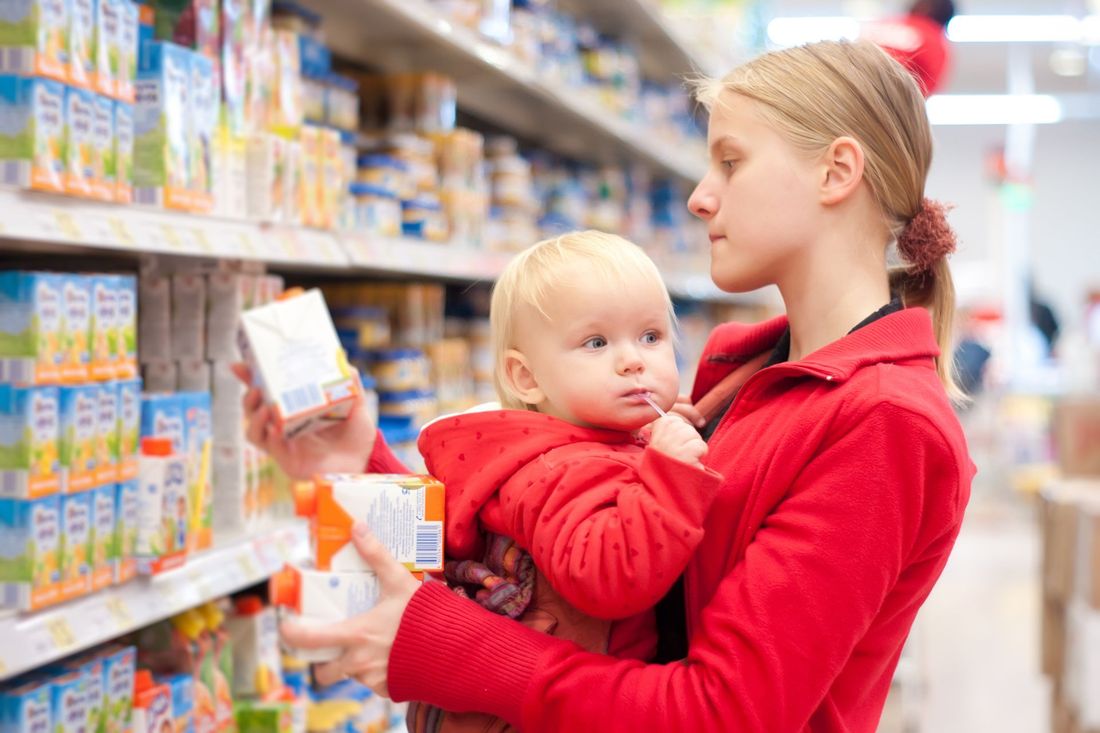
(846,477)
(608,523)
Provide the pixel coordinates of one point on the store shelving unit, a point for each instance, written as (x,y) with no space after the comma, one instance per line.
(33,640)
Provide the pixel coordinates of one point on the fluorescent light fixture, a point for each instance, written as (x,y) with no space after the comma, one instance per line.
(793,31)
(993,109)
(796,31)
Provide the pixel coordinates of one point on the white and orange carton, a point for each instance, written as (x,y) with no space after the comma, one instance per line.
(298,362)
(405,513)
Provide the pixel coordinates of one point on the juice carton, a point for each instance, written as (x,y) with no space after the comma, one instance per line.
(196,661)
(198,443)
(254,637)
(127,509)
(163,515)
(104,329)
(205,101)
(76,545)
(79,433)
(217,676)
(161,127)
(126,324)
(188,316)
(124,152)
(79,119)
(190,23)
(233,64)
(30,465)
(183,701)
(266,166)
(309,195)
(105,58)
(264,716)
(159,376)
(296,359)
(107,434)
(32,146)
(103,149)
(286,104)
(76,297)
(404,512)
(34,38)
(152,705)
(32,329)
(332,185)
(30,540)
(26,708)
(129,427)
(162,417)
(193,375)
(105,526)
(92,669)
(69,703)
(81,35)
(224,304)
(118,677)
(155,317)
(321,598)
(127,50)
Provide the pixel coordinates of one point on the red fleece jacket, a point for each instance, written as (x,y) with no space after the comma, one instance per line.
(846,477)
(609,524)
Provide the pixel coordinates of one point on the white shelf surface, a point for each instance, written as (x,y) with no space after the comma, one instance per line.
(32,640)
(495,85)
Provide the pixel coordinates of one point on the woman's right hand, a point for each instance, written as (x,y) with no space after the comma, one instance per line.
(343,447)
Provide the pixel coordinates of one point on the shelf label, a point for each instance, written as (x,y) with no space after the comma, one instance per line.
(248,566)
(61,632)
(171,236)
(122,232)
(120,613)
(66,224)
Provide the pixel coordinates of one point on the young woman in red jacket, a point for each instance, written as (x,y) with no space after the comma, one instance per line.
(845,471)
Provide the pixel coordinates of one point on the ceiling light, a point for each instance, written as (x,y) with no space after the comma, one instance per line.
(993,109)
(796,31)
(793,31)
(1068,61)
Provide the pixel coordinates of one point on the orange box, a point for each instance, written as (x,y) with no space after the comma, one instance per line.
(404,512)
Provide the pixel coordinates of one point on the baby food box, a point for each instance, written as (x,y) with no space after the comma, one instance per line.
(152,705)
(129,427)
(76,545)
(103,149)
(76,297)
(126,325)
(30,465)
(26,708)
(69,703)
(404,512)
(183,701)
(127,506)
(104,327)
(254,638)
(118,682)
(32,322)
(81,35)
(30,552)
(162,128)
(127,50)
(205,108)
(33,134)
(155,317)
(105,38)
(188,316)
(104,527)
(162,415)
(163,516)
(124,152)
(198,434)
(79,120)
(34,38)
(79,407)
(91,668)
(107,434)
(296,359)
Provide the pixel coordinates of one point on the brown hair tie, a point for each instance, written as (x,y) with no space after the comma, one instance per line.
(927,237)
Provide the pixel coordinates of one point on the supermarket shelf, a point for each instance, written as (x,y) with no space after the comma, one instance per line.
(399,35)
(413,257)
(31,641)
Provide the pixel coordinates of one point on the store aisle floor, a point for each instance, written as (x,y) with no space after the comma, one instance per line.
(976,641)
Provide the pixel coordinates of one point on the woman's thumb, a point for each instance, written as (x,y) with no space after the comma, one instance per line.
(375,554)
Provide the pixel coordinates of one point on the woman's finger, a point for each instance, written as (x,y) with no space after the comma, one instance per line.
(329,673)
(257,427)
(392,575)
(242,372)
(339,634)
(689,413)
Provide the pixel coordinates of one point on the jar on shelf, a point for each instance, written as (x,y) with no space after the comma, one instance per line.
(400,370)
(364,327)
(386,172)
(313,98)
(342,102)
(376,210)
(422,217)
(418,405)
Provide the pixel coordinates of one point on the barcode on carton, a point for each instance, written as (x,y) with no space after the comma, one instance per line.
(303,398)
(429,545)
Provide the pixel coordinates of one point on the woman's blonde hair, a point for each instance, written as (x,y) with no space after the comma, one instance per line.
(816,93)
(531,276)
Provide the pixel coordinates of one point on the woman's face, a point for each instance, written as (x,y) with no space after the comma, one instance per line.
(759,198)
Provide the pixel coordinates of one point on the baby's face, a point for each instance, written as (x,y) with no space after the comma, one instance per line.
(603,347)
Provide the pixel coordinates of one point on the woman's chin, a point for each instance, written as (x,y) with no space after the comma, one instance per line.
(736,282)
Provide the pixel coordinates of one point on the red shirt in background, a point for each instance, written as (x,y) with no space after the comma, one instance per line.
(919,43)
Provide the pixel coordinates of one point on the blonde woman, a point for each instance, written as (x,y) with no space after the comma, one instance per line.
(845,470)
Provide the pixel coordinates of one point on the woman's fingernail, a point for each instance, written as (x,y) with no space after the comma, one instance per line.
(361,529)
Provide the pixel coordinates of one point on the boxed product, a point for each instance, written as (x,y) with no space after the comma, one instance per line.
(152,708)
(233,61)
(205,108)
(30,555)
(34,39)
(310,191)
(155,318)
(103,149)
(32,149)
(254,637)
(79,143)
(25,708)
(124,152)
(107,434)
(183,701)
(229,477)
(404,512)
(159,376)
(76,544)
(198,445)
(76,295)
(127,507)
(69,703)
(30,464)
(118,676)
(32,331)
(79,406)
(296,359)
(193,375)
(127,50)
(1077,435)
(227,412)
(162,416)
(224,304)
(104,326)
(105,57)
(129,427)
(91,667)
(321,598)
(81,34)
(230,184)
(188,316)
(126,325)
(104,528)
(267,166)
(163,515)
(286,104)
(264,716)
(162,128)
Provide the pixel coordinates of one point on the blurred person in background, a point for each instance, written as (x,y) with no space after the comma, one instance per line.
(918,40)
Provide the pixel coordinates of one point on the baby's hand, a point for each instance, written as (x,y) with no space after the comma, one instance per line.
(673,436)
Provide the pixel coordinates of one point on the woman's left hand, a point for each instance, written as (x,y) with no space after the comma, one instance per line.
(368,638)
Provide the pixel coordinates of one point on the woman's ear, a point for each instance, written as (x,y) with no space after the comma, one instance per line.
(520,380)
(843,170)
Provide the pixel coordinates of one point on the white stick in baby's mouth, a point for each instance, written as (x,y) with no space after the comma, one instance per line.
(651,403)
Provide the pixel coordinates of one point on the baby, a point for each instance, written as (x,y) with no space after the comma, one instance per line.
(558,514)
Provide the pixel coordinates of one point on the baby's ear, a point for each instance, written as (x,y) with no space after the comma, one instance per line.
(520,380)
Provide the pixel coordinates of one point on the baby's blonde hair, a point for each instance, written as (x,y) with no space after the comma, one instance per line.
(530,278)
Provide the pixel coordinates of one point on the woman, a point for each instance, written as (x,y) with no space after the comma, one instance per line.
(846,472)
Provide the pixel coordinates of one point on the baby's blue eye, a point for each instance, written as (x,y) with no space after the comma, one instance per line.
(596,342)
(651,337)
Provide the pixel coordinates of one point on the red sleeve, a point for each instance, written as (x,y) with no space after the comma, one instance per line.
(609,534)
(780,627)
(382,459)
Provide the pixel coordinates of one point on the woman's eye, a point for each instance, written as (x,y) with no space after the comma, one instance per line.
(596,342)
(728,165)
(651,337)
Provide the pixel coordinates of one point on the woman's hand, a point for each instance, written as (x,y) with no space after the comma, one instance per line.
(343,447)
(367,638)
(686,410)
